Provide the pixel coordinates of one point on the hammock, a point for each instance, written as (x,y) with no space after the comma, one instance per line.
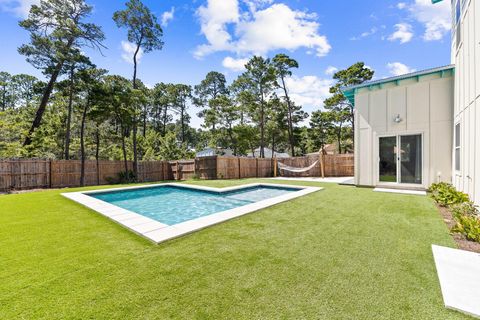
(294,169)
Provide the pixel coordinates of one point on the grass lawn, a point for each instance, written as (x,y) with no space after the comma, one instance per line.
(341,253)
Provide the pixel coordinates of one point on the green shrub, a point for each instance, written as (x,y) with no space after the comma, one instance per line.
(439,185)
(465,209)
(446,195)
(469,226)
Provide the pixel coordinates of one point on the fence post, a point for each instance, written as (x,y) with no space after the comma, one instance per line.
(275,167)
(12,176)
(50,175)
(97,162)
(239,173)
(195,168)
(322,164)
(178,170)
(256,165)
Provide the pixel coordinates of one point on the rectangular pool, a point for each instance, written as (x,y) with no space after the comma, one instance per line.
(173,204)
(165,211)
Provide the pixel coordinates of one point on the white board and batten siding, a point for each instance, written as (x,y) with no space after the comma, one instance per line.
(425,105)
(466,56)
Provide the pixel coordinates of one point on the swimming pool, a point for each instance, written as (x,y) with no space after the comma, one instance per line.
(173,204)
(161,212)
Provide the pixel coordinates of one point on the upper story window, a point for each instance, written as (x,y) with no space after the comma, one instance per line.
(457,25)
(458,13)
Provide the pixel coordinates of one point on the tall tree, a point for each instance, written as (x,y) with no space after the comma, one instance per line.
(260,80)
(283,66)
(118,92)
(146,34)
(91,87)
(321,123)
(228,115)
(77,62)
(26,88)
(356,74)
(208,90)
(180,95)
(161,104)
(56,28)
(5,80)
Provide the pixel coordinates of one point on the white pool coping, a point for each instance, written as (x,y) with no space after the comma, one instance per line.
(159,232)
(459,276)
(401,191)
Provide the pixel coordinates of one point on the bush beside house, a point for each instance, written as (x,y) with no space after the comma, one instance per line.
(465,213)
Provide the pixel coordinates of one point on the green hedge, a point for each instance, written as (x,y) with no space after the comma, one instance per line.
(464,211)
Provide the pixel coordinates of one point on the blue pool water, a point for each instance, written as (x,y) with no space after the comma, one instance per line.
(171,205)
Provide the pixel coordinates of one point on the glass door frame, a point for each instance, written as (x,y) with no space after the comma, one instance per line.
(398,136)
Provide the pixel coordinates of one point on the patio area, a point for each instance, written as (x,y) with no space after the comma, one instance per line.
(342,253)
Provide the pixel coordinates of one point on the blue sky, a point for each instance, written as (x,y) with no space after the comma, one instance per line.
(390,36)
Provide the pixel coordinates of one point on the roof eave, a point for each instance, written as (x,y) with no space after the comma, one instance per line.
(350,92)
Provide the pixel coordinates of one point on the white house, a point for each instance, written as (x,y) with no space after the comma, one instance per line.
(268,153)
(424,127)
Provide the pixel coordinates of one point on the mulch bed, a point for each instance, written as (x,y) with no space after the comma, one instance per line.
(460,239)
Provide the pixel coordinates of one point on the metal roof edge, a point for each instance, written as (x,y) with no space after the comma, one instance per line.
(398,78)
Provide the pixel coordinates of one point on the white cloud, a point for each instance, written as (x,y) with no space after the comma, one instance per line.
(436,18)
(167,16)
(258,31)
(214,19)
(366,34)
(331,70)
(128,50)
(233,64)
(401,5)
(403,33)
(253,5)
(309,91)
(398,69)
(20,8)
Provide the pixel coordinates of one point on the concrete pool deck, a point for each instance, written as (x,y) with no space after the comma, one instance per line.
(337,180)
(459,276)
(159,232)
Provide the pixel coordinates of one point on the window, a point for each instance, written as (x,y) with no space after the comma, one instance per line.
(457,147)
(458,12)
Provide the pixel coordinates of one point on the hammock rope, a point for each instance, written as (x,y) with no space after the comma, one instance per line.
(284,167)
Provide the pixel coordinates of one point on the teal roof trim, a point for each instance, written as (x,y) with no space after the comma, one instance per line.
(436,1)
(350,92)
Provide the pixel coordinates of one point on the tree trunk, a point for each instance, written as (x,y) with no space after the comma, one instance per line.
(82,145)
(97,153)
(43,104)
(273,145)
(145,121)
(165,117)
(69,115)
(46,96)
(289,118)
(124,150)
(262,124)
(339,139)
(183,123)
(135,125)
(232,141)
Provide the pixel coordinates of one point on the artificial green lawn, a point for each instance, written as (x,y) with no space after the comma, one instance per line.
(341,253)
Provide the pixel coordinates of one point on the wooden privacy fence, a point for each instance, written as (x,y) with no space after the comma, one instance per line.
(338,165)
(38,173)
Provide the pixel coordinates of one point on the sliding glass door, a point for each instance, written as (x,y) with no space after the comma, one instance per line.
(400,159)
(388,159)
(411,159)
